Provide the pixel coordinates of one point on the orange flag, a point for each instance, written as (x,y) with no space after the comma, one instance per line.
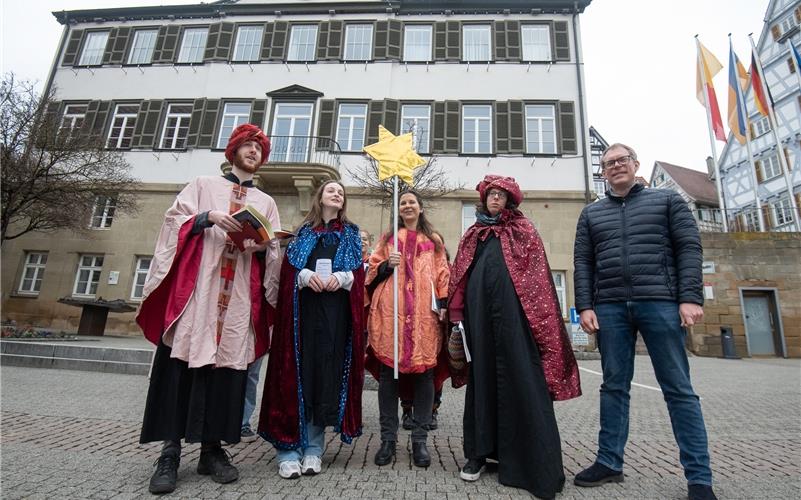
(708,66)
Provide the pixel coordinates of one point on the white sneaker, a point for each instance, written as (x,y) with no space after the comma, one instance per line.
(311,465)
(289,469)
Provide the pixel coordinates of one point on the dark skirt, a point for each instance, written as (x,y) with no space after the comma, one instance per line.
(194,404)
(508,413)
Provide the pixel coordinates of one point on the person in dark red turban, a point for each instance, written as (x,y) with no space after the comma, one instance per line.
(244,133)
(502,294)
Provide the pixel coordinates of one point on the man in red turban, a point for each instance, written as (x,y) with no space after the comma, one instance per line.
(207,307)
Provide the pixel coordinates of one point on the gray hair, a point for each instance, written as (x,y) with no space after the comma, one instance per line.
(630,150)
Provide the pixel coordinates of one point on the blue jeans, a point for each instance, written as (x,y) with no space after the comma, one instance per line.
(316,446)
(660,326)
(250,392)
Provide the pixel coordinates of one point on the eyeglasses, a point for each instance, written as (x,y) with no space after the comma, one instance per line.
(497,194)
(623,161)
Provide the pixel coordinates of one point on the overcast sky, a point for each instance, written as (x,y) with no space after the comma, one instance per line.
(639,64)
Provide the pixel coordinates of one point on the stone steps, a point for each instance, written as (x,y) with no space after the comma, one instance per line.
(75,357)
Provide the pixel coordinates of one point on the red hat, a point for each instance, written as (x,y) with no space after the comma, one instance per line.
(244,133)
(508,184)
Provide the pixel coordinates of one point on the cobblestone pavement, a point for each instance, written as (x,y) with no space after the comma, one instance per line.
(70,434)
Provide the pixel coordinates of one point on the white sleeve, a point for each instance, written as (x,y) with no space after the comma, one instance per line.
(304,276)
(345,279)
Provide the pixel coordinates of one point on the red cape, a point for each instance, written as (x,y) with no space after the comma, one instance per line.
(528,267)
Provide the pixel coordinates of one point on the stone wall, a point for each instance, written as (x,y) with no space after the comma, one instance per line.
(749,260)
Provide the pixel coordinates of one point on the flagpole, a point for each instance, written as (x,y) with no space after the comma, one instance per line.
(701,69)
(395,276)
(744,113)
(774,125)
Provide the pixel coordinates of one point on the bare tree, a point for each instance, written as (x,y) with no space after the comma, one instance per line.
(54,173)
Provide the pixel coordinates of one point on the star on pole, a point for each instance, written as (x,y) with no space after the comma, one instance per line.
(395,155)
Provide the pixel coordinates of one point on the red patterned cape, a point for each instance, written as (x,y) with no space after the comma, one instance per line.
(528,267)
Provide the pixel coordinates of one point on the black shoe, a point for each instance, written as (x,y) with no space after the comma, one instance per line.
(407,420)
(217,463)
(596,475)
(420,455)
(166,474)
(700,492)
(432,426)
(472,469)
(385,453)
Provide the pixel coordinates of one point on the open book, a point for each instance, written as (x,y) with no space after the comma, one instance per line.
(255,226)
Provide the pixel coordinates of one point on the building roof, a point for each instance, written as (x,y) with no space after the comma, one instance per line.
(695,184)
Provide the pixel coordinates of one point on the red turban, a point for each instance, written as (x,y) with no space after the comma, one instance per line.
(508,184)
(244,133)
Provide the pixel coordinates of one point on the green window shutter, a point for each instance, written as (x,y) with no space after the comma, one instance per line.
(100,120)
(375,117)
(211,43)
(440,41)
(322,40)
(335,38)
(325,127)
(194,123)
(73,46)
(89,119)
(267,42)
(257,112)
(209,124)
(225,41)
(395,40)
(514,51)
(500,42)
(501,127)
(453,126)
(147,124)
(517,127)
(454,40)
(166,44)
(438,128)
(567,128)
(392,115)
(561,41)
(119,38)
(280,40)
(381,40)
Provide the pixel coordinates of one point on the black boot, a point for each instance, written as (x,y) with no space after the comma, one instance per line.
(407,419)
(216,462)
(385,453)
(420,455)
(166,474)
(432,426)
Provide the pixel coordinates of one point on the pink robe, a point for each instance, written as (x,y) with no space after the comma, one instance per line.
(180,295)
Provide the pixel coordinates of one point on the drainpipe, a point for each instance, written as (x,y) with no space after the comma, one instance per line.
(582,119)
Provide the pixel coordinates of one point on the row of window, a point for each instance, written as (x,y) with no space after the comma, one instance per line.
(292,123)
(777,214)
(418,43)
(87,275)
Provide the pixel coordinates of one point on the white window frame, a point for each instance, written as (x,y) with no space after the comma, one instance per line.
(249,48)
(144,43)
(122,127)
(560,282)
(230,120)
(193,45)
(140,276)
(600,187)
(417,40)
(94,46)
(103,212)
(474,42)
(751,218)
(93,266)
(540,121)
(36,262)
(782,212)
(532,51)
(351,143)
(787,24)
(292,147)
(421,141)
(177,121)
(475,141)
(73,117)
(302,50)
(761,126)
(468,216)
(358,46)
(771,168)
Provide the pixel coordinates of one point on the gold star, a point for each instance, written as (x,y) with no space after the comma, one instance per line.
(395,155)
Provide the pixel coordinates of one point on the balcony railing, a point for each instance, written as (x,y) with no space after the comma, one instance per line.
(305,149)
(775,219)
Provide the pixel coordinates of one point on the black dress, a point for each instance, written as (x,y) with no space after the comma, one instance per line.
(324,323)
(508,413)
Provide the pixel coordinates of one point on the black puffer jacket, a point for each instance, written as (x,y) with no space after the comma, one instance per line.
(644,246)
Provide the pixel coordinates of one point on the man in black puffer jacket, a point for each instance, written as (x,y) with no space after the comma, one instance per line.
(637,264)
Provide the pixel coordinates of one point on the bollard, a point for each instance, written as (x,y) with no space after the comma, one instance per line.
(727,343)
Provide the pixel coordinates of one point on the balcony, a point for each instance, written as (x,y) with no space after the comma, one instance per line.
(298,157)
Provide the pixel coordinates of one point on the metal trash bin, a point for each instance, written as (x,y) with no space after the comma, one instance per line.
(727,343)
